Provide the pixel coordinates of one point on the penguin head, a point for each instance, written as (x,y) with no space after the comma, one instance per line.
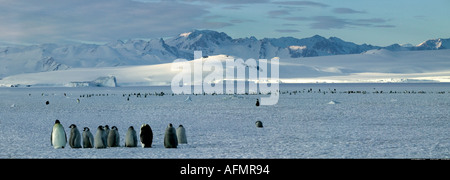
(100,127)
(72,126)
(114,128)
(57,122)
(180,125)
(170,124)
(85,129)
(131,127)
(106,127)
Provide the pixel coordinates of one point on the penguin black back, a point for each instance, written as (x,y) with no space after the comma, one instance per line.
(88,138)
(146,136)
(170,137)
(75,137)
(131,138)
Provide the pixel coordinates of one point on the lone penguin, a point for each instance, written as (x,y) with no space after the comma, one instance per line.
(113,137)
(259,124)
(131,138)
(100,140)
(58,137)
(75,137)
(146,136)
(181,135)
(170,137)
(88,138)
(47,102)
(257,102)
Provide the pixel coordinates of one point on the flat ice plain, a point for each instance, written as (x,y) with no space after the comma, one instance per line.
(404,121)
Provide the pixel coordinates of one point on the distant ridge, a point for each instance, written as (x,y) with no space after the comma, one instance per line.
(53,57)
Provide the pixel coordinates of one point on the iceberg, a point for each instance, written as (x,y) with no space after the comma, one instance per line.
(107,81)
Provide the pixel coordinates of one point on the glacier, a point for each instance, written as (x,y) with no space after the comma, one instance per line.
(374,66)
(21,59)
(107,81)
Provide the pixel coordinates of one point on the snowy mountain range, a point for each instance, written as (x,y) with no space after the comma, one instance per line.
(52,57)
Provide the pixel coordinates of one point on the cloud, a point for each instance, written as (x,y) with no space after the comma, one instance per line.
(328,22)
(332,22)
(228,1)
(45,21)
(347,11)
(298,18)
(287,30)
(278,13)
(301,3)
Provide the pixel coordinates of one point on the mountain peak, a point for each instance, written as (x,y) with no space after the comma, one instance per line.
(434,44)
(209,34)
(37,58)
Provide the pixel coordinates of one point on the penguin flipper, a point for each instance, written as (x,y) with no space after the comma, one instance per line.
(51,137)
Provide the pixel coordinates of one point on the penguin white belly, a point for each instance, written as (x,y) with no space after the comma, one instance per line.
(131,139)
(181,135)
(59,139)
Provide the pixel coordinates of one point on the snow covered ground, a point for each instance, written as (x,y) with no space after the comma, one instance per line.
(412,121)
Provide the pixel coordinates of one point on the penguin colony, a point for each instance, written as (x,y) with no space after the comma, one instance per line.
(106,137)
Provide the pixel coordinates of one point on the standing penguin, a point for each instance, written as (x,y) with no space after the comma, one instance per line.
(131,138)
(146,136)
(170,137)
(113,137)
(88,138)
(58,137)
(257,102)
(181,135)
(100,140)
(106,132)
(75,137)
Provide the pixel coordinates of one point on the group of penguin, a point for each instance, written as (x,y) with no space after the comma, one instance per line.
(106,137)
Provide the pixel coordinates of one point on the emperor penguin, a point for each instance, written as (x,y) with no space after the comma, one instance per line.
(58,137)
(106,132)
(131,138)
(181,135)
(75,137)
(100,140)
(170,137)
(88,138)
(257,102)
(146,136)
(113,137)
(259,124)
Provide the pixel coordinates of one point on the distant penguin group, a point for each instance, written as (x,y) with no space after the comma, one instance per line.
(105,137)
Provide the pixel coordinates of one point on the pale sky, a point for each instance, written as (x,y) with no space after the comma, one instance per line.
(376,22)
